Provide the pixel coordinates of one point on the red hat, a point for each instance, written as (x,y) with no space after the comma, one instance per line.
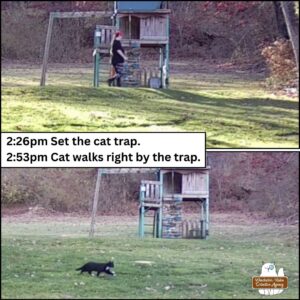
(119,33)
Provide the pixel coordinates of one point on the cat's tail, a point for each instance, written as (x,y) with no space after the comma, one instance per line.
(79,269)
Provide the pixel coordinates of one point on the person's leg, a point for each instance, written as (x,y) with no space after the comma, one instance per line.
(112,71)
(119,81)
(119,71)
(113,76)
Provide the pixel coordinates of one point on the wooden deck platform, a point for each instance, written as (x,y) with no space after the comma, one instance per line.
(157,42)
(163,11)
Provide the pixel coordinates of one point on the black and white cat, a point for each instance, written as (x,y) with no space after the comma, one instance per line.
(97,267)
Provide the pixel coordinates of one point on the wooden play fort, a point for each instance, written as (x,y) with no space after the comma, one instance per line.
(161,202)
(144,24)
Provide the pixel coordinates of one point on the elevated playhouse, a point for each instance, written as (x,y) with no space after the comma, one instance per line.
(161,201)
(144,24)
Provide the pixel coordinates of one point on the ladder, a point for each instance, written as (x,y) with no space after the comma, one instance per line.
(103,36)
(150,208)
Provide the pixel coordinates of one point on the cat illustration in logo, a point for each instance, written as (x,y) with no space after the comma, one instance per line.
(269,270)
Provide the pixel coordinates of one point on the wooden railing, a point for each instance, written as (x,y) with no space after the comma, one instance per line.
(150,193)
(106,35)
(193,229)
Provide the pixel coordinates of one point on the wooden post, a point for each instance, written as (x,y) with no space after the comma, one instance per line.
(184,229)
(46,51)
(155,224)
(160,208)
(95,203)
(129,27)
(142,211)
(151,73)
(117,24)
(145,77)
(173,184)
(202,230)
(164,67)
(167,52)
(142,221)
(161,62)
(207,207)
(97,42)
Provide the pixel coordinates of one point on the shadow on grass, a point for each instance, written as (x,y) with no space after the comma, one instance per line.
(253,102)
(184,110)
(261,111)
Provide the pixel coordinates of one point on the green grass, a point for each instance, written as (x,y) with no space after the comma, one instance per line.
(235,111)
(39,261)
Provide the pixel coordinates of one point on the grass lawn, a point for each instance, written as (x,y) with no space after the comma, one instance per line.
(234,110)
(39,258)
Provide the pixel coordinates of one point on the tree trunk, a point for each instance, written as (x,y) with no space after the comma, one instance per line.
(292,23)
(280,22)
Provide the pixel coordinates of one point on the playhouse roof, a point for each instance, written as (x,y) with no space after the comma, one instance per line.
(147,170)
(146,6)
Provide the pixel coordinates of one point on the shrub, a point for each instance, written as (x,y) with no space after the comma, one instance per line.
(16,194)
(70,190)
(281,63)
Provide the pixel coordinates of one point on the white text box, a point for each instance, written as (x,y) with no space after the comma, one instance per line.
(131,150)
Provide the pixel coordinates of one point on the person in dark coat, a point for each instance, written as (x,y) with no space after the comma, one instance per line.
(117,59)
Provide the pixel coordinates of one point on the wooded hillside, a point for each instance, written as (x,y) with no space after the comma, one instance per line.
(261,182)
(205,29)
(254,33)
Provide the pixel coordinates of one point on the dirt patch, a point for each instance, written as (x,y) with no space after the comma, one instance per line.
(36,215)
(13,211)
(184,67)
(212,67)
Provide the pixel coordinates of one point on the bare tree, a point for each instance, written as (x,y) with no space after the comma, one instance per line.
(280,21)
(292,23)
